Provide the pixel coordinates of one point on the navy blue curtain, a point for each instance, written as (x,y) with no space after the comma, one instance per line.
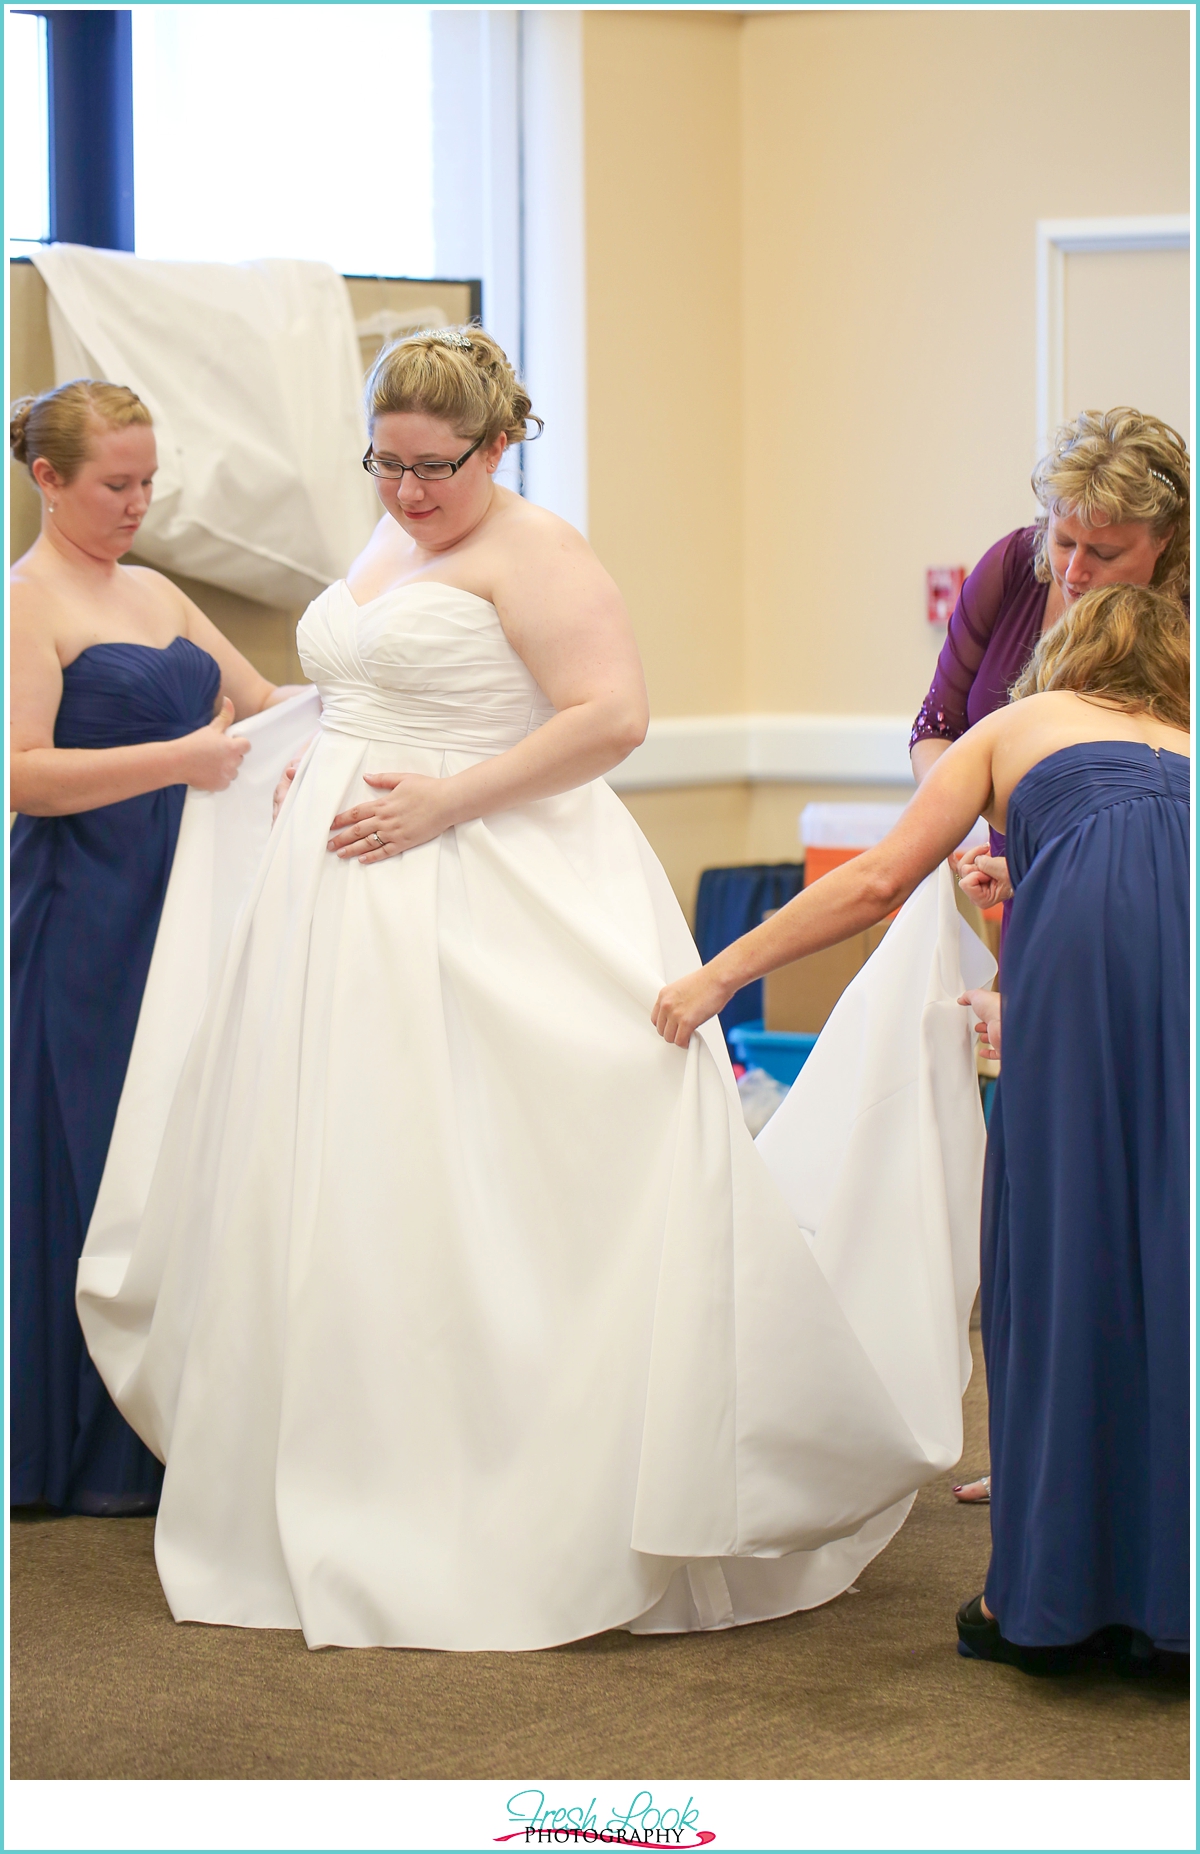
(729,903)
(90,60)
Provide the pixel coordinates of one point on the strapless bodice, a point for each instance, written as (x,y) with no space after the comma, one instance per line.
(1066,788)
(424,664)
(122,695)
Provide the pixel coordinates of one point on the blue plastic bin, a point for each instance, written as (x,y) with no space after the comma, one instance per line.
(782,1053)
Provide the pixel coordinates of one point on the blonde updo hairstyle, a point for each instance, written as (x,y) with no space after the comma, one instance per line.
(62,425)
(1121,466)
(457,374)
(1127,645)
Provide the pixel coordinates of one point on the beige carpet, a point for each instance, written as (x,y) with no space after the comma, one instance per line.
(104,1684)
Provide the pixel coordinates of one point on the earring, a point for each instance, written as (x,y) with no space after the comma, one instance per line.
(51,507)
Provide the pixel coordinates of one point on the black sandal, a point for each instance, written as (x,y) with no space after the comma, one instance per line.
(979,1639)
(1133,1656)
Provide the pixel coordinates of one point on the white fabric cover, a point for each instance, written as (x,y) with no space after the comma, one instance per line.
(461,1307)
(253,376)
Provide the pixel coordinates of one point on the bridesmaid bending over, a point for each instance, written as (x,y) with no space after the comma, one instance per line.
(1085,1273)
(122,695)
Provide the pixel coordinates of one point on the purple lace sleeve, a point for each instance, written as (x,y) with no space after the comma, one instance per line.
(943,713)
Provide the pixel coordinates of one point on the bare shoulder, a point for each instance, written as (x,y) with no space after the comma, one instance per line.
(539,528)
(537,557)
(34,599)
(1017,718)
(1027,730)
(155,588)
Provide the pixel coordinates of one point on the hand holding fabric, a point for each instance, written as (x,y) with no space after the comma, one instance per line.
(210,758)
(983,878)
(986,1006)
(684,1005)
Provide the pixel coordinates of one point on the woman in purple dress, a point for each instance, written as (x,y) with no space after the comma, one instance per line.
(1116,493)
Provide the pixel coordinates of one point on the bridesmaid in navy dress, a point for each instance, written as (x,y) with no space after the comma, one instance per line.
(115,680)
(1115,491)
(1086,1285)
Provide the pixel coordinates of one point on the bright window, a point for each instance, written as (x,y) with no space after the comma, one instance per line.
(26,133)
(284,131)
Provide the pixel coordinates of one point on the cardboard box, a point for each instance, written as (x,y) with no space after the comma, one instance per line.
(801,996)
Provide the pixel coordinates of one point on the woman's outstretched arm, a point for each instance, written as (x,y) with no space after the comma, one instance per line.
(847,900)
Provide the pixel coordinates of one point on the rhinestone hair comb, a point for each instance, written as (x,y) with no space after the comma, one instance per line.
(446,337)
(1170,482)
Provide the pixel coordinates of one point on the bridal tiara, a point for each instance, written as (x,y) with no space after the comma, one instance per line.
(446,337)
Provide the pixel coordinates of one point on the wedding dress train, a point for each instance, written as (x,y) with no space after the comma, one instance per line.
(461,1307)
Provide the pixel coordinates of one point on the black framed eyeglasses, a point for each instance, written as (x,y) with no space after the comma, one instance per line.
(393,470)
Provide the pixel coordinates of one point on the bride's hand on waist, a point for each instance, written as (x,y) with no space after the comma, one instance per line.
(409,811)
(686,1003)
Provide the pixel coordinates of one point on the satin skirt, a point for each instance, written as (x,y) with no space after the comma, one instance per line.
(462,1309)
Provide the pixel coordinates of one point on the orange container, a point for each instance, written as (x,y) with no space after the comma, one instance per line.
(821,858)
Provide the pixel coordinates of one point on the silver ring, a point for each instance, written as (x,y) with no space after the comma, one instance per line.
(379,840)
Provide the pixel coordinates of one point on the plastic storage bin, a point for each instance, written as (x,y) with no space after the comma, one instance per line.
(782,1053)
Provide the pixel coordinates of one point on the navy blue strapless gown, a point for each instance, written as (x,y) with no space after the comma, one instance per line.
(87,893)
(1086,1291)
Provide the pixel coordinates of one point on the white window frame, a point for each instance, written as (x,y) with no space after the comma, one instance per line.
(1056,239)
(509,208)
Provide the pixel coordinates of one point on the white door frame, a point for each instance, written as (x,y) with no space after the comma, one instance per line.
(1168,231)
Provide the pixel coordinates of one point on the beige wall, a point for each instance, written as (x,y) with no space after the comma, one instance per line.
(894,166)
(811,335)
(662,207)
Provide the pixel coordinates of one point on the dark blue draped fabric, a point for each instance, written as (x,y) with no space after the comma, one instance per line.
(1086,1291)
(87,892)
(729,903)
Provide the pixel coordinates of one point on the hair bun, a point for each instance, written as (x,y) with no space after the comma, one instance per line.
(61,423)
(18,418)
(458,374)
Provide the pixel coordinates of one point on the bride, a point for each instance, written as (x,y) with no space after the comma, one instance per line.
(462,1309)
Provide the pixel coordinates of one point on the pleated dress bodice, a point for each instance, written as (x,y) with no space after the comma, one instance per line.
(1063,791)
(87,888)
(425,664)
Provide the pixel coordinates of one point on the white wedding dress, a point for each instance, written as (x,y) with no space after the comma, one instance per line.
(460,1306)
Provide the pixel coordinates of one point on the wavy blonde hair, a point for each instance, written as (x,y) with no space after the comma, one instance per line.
(1121,466)
(457,374)
(1129,645)
(61,425)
